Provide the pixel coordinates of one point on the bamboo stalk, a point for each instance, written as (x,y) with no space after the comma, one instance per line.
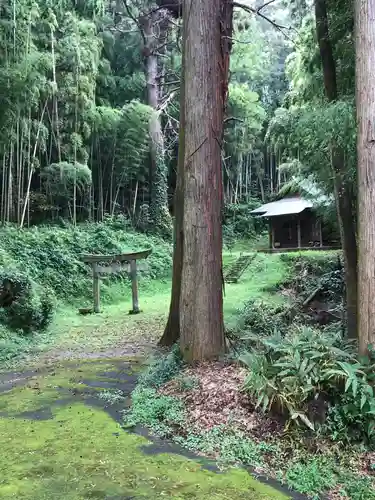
(32,167)
(135,198)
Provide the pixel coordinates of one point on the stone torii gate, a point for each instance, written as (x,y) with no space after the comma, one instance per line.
(103,265)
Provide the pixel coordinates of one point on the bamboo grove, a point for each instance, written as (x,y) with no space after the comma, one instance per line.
(90,106)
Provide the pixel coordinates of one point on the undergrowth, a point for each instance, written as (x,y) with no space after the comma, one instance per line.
(318,275)
(263,318)
(42,264)
(159,413)
(315,475)
(161,369)
(312,477)
(315,379)
(310,270)
(149,408)
(227,445)
(296,458)
(51,256)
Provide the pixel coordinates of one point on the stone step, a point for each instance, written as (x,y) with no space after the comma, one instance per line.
(236,270)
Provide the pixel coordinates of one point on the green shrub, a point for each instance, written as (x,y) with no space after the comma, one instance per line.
(309,270)
(306,372)
(158,412)
(314,477)
(51,256)
(162,369)
(264,318)
(351,415)
(10,343)
(23,305)
(230,445)
(242,222)
(357,488)
(312,262)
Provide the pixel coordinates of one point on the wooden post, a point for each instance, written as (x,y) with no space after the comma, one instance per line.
(133,273)
(299,232)
(320,233)
(270,233)
(96,288)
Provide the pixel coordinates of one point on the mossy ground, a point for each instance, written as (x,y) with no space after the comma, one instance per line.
(58,440)
(57,444)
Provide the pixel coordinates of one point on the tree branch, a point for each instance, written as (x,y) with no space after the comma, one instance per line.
(258,12)
(173,6)
(163,106)
(134,19)
(233,119)
(264,5)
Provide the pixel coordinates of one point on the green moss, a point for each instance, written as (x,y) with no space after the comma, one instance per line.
(27,399)
(82,453)
(42,391)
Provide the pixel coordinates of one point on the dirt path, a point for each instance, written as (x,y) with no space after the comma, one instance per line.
(125,350)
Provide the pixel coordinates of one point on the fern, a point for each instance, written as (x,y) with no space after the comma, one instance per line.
(287,374)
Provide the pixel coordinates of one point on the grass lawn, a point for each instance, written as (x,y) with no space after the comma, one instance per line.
(113,328)
(264,272)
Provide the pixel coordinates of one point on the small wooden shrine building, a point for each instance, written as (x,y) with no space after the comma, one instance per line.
(293,223)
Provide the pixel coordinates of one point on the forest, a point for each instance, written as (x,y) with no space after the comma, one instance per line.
(166,329)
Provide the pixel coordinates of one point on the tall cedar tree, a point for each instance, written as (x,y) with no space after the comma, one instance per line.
(365,100)
(344,191)
(201,300)
(172,330)
(196,301)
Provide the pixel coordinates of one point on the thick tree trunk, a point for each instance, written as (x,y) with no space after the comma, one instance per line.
(201,300)
(160,216)
(344,195)
(172,330)
(344,191)
(365,99)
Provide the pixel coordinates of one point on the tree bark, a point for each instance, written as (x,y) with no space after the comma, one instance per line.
(344,191)
(365,100)
(173,327)
(201,300)
(172,330)
(160,217)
